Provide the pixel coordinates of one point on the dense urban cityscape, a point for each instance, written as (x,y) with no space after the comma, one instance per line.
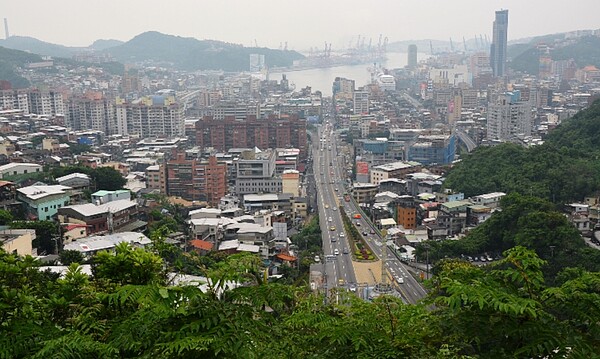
(448,207)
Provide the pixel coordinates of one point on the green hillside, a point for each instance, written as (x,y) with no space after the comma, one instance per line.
(11,59)
(35,46)
(192,54)
(525,57)
(564,168)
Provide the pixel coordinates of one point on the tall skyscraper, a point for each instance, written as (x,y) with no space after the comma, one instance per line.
(412,56)
(499,39)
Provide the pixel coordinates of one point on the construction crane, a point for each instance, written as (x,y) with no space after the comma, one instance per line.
(465,43)
(379,43)
(255,43)
(285,48)
(385,42)
(451,45)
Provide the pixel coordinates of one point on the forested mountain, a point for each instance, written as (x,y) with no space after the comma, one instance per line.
(153,47)
(565,168)
(191,54)
(105,44)
(11,59)
(585,51)
(128,309)
(35,46)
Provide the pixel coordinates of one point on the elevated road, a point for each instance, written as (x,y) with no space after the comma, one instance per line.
(466,139)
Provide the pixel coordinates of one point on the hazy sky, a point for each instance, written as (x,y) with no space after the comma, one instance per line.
(302,23)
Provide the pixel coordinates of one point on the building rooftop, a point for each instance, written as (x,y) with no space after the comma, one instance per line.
(394,166)
(73,176)
(10,166)
(492,195)
(103,193)
(39,192)
(96,243)
(90,209)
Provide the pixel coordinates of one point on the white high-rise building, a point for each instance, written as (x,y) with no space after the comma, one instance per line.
(91,112)
(509,118)
(149,117)
(361,102)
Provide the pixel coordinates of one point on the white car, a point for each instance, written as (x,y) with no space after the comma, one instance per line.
(336,252)
(400,280)
(317,259)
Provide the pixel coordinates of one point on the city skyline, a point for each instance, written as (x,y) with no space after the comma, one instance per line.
(270,24)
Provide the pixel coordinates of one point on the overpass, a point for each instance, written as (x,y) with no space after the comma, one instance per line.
(466,139)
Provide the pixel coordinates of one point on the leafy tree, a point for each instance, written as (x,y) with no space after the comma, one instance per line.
(70,256)
(128,266)
(107,178)
(47,237)
(5,217)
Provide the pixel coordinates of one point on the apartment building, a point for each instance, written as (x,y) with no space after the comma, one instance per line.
(93,111)
(509,117)
(152,116)
(255,173)
(393,170)
(196,180)
(271,132)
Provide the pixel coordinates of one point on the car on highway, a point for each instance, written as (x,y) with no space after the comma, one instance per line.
(372,231)
(330,219)
(341,282)
(345,251)
(336,252)
(365,233)
(332,228)
(352,287)
(342,234)
(335,208)
(356,216)
(317,259)
(326,206)
(358,223)
(400,280)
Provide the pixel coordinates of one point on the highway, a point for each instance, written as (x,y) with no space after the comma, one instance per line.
(339,271)
(330,180)
(466,139)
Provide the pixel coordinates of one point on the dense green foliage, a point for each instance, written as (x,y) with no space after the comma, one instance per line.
(525,57)
(47,234)
(193,54)
(564,168)
(10,60)
(128,310)
(585,51)
(529,222)
(309,243)
(527,61)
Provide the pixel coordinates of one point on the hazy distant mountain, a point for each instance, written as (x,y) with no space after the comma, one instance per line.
(584,50)
(9,60)
(188,53)
(154,47)
(100,45)
(36,46)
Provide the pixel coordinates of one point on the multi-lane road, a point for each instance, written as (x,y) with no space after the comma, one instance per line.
(338,260)
(330,181)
